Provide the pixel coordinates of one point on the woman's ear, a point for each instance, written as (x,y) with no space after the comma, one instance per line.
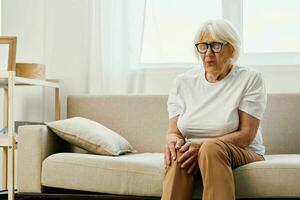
(231,54)
(231,51)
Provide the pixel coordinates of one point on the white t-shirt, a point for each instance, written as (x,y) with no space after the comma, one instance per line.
(208,110)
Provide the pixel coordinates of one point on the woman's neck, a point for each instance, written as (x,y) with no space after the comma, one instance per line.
(216,76)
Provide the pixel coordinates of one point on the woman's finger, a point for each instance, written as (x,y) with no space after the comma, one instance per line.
(171,146)
(185,147)
(167,156)
(188,161)
(184,156)
(179,143)
(192,168)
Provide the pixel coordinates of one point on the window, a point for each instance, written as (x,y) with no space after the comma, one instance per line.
(170,26)
(271,26)
(269,30)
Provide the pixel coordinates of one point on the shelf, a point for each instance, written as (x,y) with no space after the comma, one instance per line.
(8,141)
(4,140)
(26,81)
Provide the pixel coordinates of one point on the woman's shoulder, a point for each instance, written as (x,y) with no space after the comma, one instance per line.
(248,72)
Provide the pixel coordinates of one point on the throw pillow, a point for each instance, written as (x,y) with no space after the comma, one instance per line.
(91,136)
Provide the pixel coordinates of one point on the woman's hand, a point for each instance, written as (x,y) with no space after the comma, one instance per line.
(174,142)
(189,157)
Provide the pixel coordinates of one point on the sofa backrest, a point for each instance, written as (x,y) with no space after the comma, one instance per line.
(281,124)
(143,119)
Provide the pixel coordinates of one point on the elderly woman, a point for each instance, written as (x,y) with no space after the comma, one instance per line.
(214,118)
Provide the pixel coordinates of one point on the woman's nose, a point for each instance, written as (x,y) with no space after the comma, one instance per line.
(209,50)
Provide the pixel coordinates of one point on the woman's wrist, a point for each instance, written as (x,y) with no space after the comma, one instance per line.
(173,137)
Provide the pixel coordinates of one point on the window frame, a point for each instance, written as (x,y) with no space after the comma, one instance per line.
(231,9)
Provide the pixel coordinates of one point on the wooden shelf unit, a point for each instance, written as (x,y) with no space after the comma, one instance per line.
(8,81)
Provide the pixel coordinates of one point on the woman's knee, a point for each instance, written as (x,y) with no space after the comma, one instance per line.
(175,162)
(211,144)
(175,166)
(212,147)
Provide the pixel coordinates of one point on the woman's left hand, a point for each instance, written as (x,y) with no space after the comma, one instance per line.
(188,159)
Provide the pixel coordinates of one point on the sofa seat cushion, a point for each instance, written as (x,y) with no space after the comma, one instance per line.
(142,174)
(106,174)
(277,176)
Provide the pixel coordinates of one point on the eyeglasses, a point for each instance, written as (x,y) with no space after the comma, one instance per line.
(216,47)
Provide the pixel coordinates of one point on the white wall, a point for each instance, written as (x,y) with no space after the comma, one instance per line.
(54,33)
(23,20)
(66,47)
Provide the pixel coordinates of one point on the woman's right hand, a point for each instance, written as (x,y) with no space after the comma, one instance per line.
(174,142)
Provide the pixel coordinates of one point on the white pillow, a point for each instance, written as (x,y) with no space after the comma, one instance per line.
(90,136)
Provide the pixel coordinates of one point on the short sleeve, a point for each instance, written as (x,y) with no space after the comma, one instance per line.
(254,99)
(174,107)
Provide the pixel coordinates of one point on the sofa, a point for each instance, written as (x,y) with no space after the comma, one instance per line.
(46,162)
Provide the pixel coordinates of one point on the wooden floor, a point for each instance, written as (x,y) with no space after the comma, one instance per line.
(107,198)
(92,196)
(73,196)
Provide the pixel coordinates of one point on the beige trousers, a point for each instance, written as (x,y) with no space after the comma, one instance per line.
(216,159)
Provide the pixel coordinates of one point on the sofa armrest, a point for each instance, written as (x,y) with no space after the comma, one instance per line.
(35,143)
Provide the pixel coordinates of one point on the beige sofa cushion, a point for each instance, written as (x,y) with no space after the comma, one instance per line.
(277,176)
(142,174)
(90,136)
(131,174)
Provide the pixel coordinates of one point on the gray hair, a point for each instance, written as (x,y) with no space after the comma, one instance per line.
(221,30)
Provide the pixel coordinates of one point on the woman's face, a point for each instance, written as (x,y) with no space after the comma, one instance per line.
(216,62)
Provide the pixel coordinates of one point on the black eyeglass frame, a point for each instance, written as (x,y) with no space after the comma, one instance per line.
(209,45)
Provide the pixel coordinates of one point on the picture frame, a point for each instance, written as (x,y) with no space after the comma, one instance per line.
(11,41)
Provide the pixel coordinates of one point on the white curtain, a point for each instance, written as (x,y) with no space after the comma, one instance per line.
(115,45)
